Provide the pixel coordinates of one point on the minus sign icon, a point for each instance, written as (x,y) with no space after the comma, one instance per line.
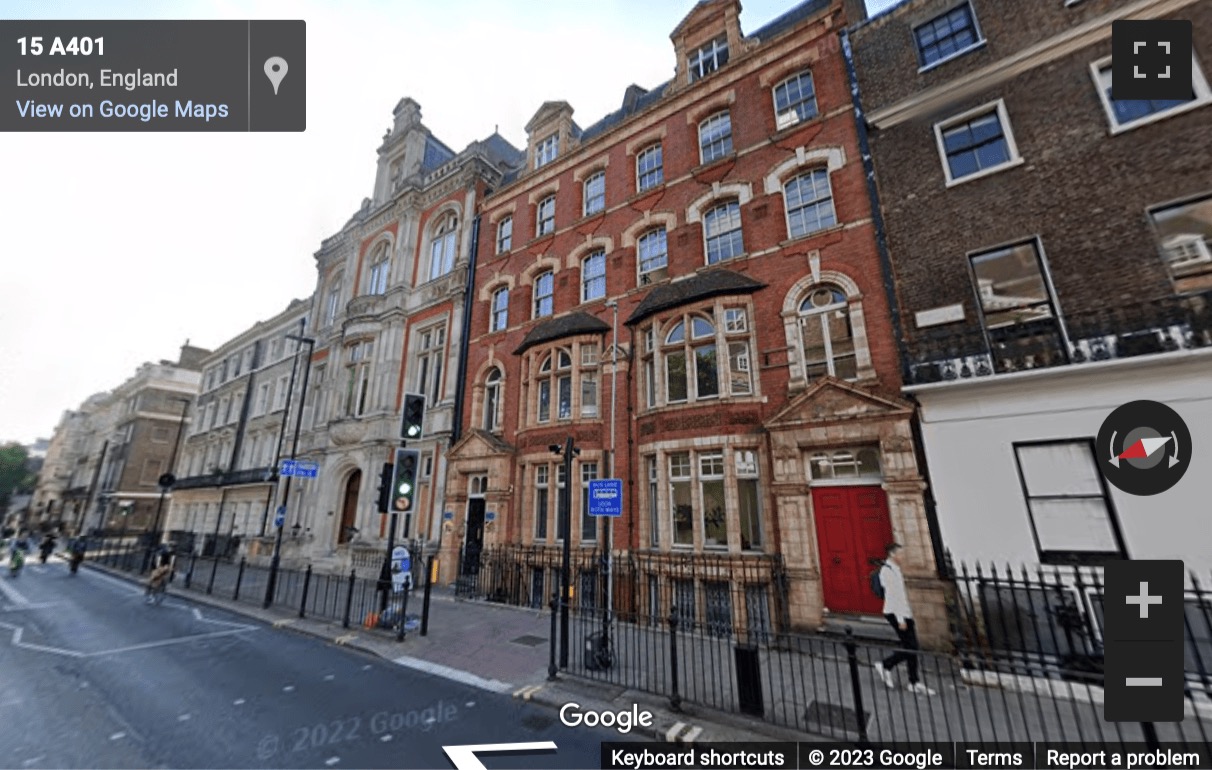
(1143,681)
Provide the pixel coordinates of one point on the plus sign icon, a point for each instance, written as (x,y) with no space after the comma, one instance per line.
(1151,59)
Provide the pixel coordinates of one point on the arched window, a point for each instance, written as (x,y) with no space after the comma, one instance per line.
(809,203)
(545,216)
(827,335)
(442,247)
(565,382)
(722,229)
(652,253)
(595,193)
(700,357)
(332,303)
(795,100)
(505,235)
(380,265)
(691,363)
(544,290)
(649,168)
(715,137)
(492,400)
(499,318)
(593,276)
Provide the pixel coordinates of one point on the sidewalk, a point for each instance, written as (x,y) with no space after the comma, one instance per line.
(494,647)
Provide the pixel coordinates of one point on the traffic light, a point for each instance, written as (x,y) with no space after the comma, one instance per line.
(404,480)
(412,425)
(385,477)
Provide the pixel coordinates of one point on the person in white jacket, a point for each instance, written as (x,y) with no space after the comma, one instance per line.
(900,615)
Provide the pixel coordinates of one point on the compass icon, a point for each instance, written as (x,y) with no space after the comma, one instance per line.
(1144,447)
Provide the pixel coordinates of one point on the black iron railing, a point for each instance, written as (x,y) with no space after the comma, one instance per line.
(1126,331)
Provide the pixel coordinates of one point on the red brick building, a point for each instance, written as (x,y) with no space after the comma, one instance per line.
(725,217)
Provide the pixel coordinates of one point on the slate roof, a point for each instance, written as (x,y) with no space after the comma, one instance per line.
(713,283)
(436,153)
(564,326)
(500,150)
(641,102)
(789,19)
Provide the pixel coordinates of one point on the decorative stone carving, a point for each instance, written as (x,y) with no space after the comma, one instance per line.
(346,432)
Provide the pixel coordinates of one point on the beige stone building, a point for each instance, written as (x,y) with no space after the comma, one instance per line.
(242,421)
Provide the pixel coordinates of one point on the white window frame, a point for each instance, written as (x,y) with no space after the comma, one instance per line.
(443,248)
(539,219)
(590,280)
(546,150)
(378,276)
(639,261)
(712,216)
(725,142)
(586,195)
(696,63)
(431,354)
(333,302)
(1007,131)
(505,234)
(493,391)
(1199,84)
(658,169)
(779,122)
(976,45)
(536,305)
(498,311)
(802,172)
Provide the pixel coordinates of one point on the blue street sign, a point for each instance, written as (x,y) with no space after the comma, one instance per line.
(448,515)
(606,497)
(280,516)
(490,516)
(301,468)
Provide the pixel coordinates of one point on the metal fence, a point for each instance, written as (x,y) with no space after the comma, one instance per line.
(347,599)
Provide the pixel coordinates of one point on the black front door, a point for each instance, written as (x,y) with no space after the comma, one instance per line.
(473,542)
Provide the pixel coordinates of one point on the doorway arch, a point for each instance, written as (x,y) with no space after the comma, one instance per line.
(349,507)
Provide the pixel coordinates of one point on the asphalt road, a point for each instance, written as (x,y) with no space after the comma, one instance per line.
(91,676)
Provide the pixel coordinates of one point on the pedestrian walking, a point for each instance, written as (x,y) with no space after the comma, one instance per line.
(900,616)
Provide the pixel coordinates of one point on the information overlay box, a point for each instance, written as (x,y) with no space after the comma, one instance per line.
(153,76)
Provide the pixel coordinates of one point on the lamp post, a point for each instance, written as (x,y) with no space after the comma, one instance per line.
(272,583)
(608,535)
(168,476)
(566,452)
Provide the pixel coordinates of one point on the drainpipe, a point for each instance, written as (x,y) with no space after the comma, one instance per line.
(456,430)
(881,243)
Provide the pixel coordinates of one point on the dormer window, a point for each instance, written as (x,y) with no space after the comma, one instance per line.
(709,58)
(546,151)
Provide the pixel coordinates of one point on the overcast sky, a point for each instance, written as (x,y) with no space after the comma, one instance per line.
(117,248)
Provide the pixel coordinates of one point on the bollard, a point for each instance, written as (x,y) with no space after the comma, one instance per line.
(425,603)
(306,585)
(235,597)
(214,567)
(856,686)
(403,611)
(675,700)
(189,576)
(551,664)
(353,576)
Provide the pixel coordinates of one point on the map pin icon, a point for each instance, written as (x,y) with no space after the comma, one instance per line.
(275,70)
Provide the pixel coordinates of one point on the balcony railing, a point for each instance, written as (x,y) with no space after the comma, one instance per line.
(1162,326)
(248,476)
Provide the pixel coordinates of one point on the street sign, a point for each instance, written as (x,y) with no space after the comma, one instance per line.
(606,497)
(301,468)
(280,516)
(448,515)
(490,516)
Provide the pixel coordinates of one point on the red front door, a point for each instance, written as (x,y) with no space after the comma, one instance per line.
(852,527)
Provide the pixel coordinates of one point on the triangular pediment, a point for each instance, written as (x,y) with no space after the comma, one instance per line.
(548,113)
(832,400)
(479,443)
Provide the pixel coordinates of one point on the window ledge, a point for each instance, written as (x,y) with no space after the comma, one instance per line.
(1194,104)
(783,133)
(640,195)
(814,234)
(979,44)
(711,164)
(1013,163)
(590,217)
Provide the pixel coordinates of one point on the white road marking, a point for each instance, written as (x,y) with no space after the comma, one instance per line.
(386,738)
(238,702)
(183,718)
(671,735)
(32,760)
(365,668)
(332,761)
(125,585)
(288,688)
(197,613)
(16,642)
(163,643)
(469,703)
(117,736)
(329,678)
(453,674)
(693,735)
(14,596)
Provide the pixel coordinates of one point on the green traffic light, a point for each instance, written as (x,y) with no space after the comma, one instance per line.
(413,430)
(405,487)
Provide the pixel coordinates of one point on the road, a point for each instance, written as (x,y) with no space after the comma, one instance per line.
(95,677)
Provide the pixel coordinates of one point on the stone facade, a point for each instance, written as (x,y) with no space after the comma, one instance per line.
(710,249)
(226,488)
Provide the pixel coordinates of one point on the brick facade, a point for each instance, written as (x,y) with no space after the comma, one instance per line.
(746,410)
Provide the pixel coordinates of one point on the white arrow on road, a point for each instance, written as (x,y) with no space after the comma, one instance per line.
(464,757)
